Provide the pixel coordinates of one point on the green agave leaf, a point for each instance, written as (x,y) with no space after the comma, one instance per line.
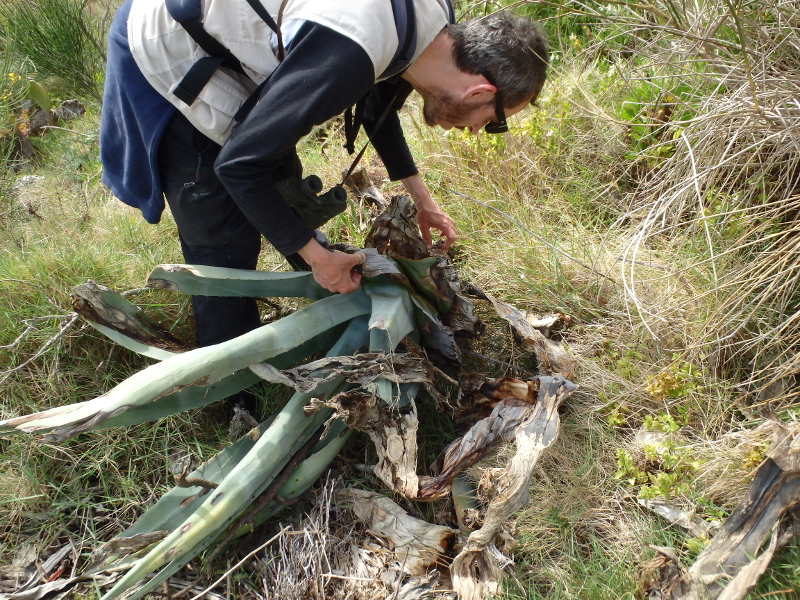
(38,94)
(218,281)
(172,508)
(391,318)
(202,366)
(428,279)
(248,478)
(390,321)
(303,477)
(131,344)
(196,396)
(180,401)
(306,473)
(434,333)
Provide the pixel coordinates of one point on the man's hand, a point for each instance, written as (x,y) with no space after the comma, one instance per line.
(333,270)
(429,215)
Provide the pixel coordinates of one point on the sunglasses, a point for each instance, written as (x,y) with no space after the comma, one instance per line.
(499,126)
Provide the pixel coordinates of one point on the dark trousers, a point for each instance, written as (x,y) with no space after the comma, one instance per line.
(213,231)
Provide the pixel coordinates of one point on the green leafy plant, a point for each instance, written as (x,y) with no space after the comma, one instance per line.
(680,379)
(58,37)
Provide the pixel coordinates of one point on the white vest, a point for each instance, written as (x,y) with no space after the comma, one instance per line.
(165,52)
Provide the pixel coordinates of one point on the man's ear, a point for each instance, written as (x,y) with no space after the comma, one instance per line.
(479,92)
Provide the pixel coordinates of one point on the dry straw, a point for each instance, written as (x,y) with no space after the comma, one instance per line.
(721,204)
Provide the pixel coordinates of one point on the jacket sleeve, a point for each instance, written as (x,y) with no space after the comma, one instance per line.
(323,73)
(389,140)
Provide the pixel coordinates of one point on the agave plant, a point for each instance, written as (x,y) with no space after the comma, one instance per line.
(278,460)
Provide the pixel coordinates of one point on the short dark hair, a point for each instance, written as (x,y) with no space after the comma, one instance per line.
(510,48)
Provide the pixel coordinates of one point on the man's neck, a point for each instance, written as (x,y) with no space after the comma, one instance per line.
(435,67)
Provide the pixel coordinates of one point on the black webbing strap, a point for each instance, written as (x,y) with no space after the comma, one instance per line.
(405,22)
(187,13)
(197,77)
(262,12)
(378,124)
(352,124)
(209,44)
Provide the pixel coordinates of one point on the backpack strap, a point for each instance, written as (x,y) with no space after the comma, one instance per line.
(188,14)
(405,22)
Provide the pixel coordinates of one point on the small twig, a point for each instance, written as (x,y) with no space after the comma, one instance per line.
(347,577)
(444,375)
(499,362)
(187,482)
(31,326)
(86,135)
(43,349)
(33,285)
(400,577)
(185,589)
(241,562)
(134,292)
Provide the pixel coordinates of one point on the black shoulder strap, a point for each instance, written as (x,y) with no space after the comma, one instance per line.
(405,22)
(262,12)
(188,13)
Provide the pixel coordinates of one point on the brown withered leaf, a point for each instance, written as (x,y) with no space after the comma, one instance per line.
(395,233)
(362,369)
(395,442)
(552,358)
(475,574)
(534,435)
(464,452)
(360,183)
(740,552)
(105,307)
(357,409)
(122,546)
(417,543)
(479,397)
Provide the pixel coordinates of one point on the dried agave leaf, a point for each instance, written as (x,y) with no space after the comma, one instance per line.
(475,574)
(552,358)
(377,264)
(60,588)
(395,233)
(111,314)
(732,563)
(362,369)
(547,322)
(534,435)
(423,587)
(474,445)
(696,526)
(122,546)
(417,543)
(395,442)
(360,183)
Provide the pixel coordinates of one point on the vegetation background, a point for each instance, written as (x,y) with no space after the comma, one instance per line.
(653,196)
